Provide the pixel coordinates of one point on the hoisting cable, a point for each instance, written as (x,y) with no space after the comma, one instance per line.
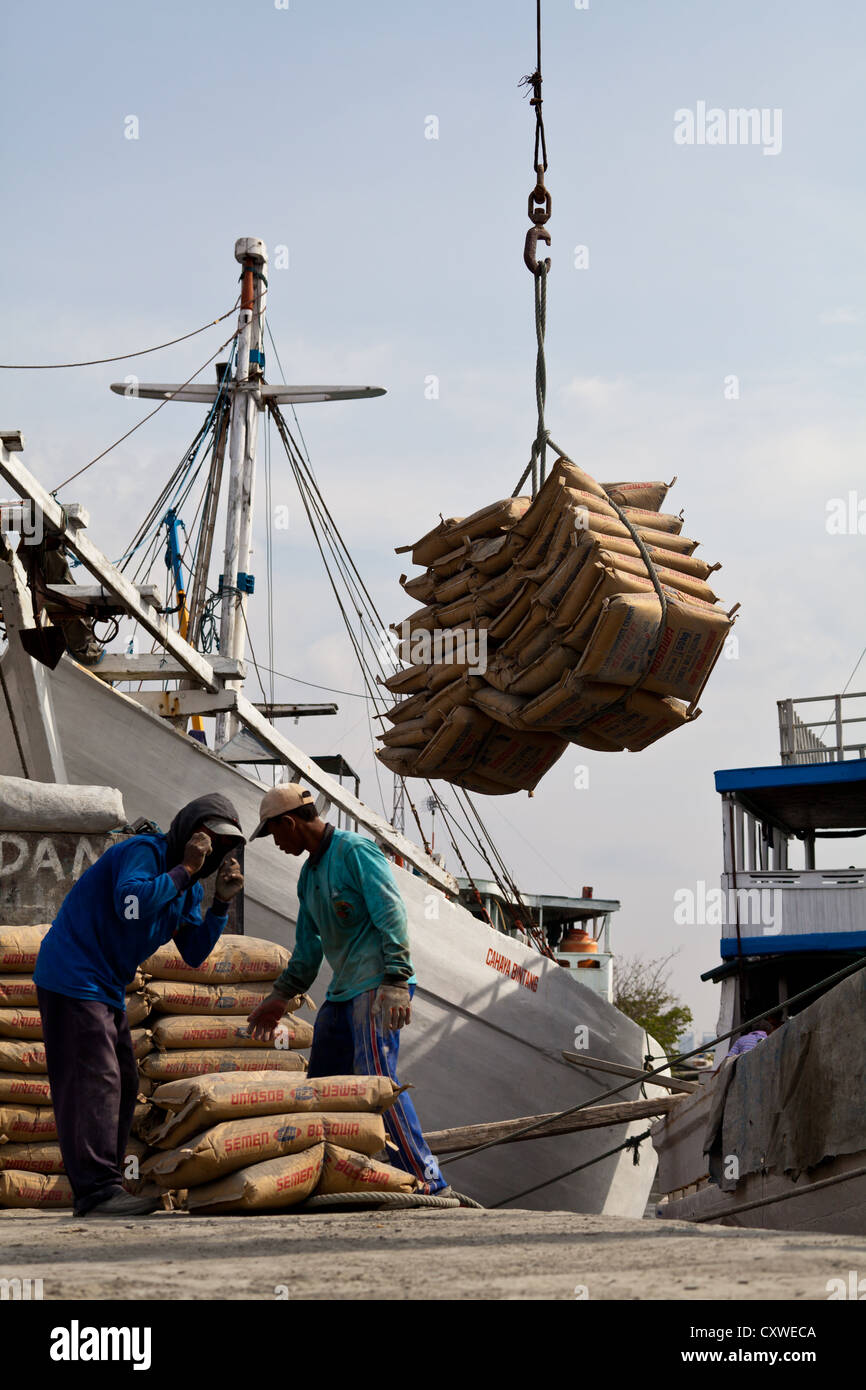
(827,983)
(120,357)
(539,207)
(634,1144)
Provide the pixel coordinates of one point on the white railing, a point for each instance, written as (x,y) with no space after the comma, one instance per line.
(800,743)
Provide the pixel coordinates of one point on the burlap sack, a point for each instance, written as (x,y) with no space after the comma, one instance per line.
(19,947)
(270,1186)
(21,1124)
(17,992)
(180,1031)
(32,1158)
(20,1023)
(627,630)
(184,1107)
(167,1066)
(178,997)
(649,496)
(21,1056)
(137,1008)
(24,1090)
(23,1189)
(343,1171)
(234,960)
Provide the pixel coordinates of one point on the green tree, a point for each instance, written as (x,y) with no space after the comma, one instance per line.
(641,990)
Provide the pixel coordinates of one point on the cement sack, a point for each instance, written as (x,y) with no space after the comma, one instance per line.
(422,620)
(142,1042)
(610,581)
(17,992)
(641,720)
(674,579)
(24,1090)
(487,521)
(455,693)
(189,1106)
(167,1066)
(668,540)
(443,673)
(401,761)
(234,1144)
(626,632)
(517,760)
(562,475)
(422,587)
(196,1030)
(527,637)
(137,1008)
(500,672)
(648,496)
(456,744)
(136,983)
(20,1023)
(500,590)
(551,593)
(56,807)
(21,1124)
(433,544)
(407,682)
(537,643)
(513,614)
(500,705)
(48,1190)
(32,1158)
(27,1057)
(178,997)
(454,560)
(270,1186)
(658,521)
(414,733)
(457,586)
(234,960)
(492,556)
(19,947)
(472,608)
(540,556)
(543,672)
(410,708)
(343,1171)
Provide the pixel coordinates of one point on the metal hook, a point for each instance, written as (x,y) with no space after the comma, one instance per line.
(530,249)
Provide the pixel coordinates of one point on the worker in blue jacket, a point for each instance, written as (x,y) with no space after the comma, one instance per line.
(140,894)
(352,914)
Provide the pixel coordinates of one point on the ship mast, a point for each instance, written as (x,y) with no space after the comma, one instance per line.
(237,582)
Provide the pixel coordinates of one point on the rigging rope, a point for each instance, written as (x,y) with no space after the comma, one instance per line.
(120,357)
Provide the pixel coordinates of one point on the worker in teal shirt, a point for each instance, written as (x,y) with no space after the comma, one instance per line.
(352,914)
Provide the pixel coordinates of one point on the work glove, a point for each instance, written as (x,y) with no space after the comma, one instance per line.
(392,1005)
(265,1016)
(229,879)
(196,851)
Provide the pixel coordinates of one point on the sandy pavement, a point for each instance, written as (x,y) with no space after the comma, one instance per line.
(462,1254)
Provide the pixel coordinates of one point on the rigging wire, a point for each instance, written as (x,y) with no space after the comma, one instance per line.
(144,420)
(120,357)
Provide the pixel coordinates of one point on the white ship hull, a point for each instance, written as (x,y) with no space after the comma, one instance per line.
(481,1046)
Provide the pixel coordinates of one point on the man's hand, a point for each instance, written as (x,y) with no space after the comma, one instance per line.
(229,879)
(393,1005)
(265,1016)
(198,847)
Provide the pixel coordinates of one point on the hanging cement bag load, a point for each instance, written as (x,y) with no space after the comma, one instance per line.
(569,645)
(270,1186)
(181,1108)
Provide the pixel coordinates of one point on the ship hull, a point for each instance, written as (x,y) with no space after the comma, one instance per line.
(491,1016)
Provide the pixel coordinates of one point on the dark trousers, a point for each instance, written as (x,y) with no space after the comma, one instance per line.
(94,1083)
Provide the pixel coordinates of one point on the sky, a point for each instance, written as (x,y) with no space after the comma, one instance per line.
(713,328)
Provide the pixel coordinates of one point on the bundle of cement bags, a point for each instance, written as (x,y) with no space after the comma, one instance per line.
(258,1141)
(542,625)
(31,1166)
(200,1015)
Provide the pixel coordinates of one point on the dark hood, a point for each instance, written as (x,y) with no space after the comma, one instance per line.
(212,807)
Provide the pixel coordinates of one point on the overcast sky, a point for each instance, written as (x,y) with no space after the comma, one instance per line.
(305,126)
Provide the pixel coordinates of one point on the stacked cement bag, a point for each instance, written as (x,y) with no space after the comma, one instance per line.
(199,1020)
(31,1166)
(542,626)
(260,1141)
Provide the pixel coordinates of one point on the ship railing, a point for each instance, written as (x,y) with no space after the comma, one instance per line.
(789,902)
(798,741)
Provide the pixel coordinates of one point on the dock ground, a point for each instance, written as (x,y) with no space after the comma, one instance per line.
(460,1254)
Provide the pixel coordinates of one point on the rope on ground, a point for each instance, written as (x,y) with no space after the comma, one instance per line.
(633,1144)
(120,357)
(830,980)
(375,1199)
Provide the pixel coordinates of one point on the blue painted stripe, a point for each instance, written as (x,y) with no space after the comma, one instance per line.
(809,941)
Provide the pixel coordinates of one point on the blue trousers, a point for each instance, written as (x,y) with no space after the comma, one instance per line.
(349,1041)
